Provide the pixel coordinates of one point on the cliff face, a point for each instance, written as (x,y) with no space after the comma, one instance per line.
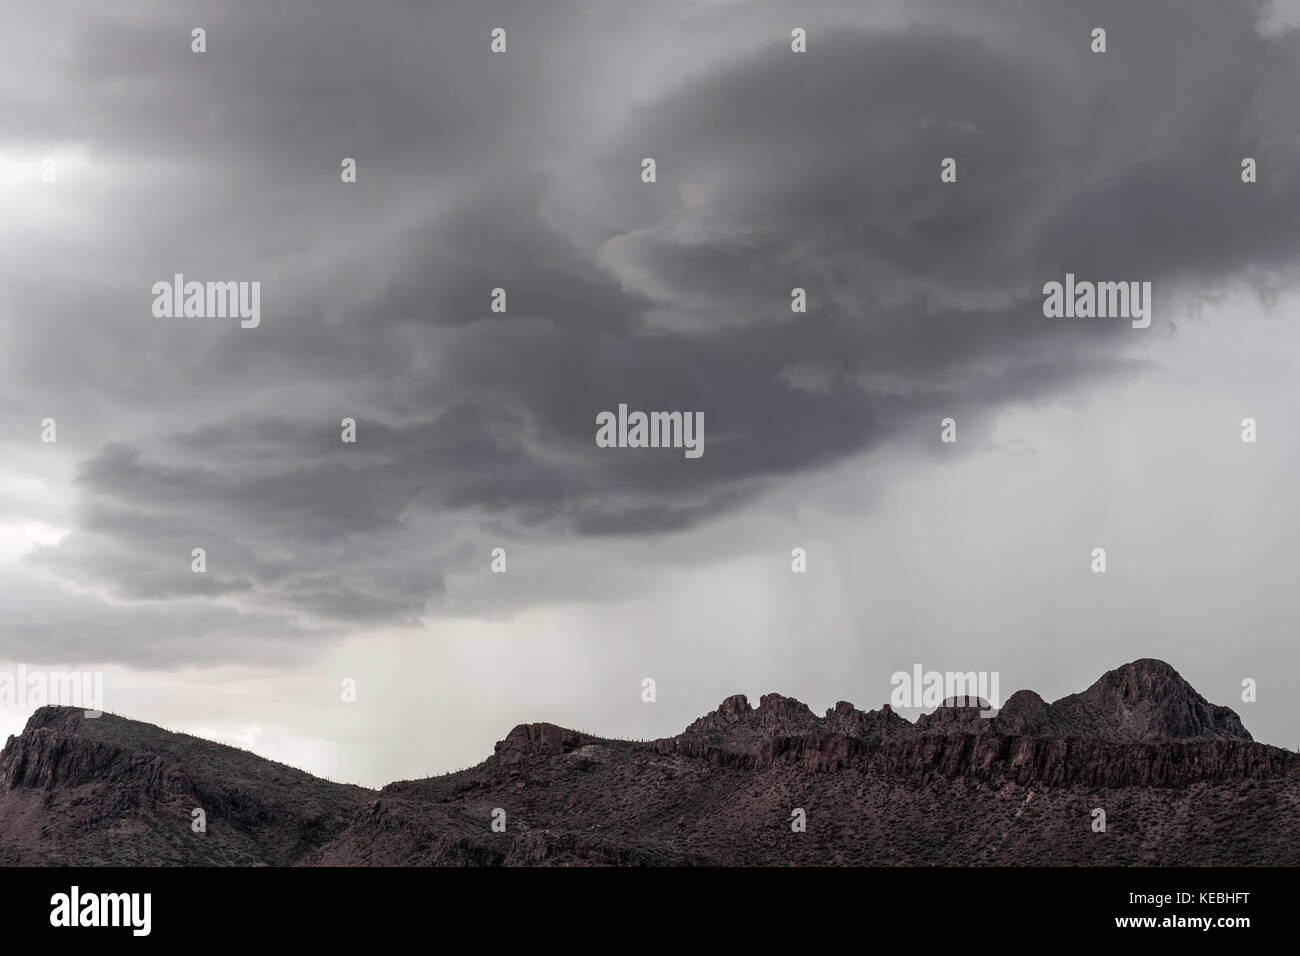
(1035,760)
(1180,779)
(987,756)
(110,790)
(51,755)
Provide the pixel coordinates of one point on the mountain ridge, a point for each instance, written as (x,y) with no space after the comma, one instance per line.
(876,788)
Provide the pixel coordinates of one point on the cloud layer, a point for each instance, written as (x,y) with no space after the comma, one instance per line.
(475,429)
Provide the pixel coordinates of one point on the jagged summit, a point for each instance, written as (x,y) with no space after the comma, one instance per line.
(735,725)
(1143,701)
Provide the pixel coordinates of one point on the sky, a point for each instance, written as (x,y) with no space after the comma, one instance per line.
(371,561)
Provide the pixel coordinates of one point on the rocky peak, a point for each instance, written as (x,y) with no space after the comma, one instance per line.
(1145,700)
(784,716)
(957,715)
(846,719)
(1024,714)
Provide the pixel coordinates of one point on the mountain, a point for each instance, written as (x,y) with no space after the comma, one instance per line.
(111,790)
(1146,700)
(1180,780)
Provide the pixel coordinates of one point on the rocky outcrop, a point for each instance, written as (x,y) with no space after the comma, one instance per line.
(736,727)
(51,754)
(880,724)
(1042,761)
(1024,714)
(696,749)
(1024,760)
(957,716)
(537,740)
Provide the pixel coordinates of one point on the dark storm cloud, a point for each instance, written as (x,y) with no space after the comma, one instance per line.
(824,169)
(775,170)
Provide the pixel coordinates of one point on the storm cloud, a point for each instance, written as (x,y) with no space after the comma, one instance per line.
(522,171)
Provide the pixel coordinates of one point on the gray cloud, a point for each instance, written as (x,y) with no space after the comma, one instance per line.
(775,170)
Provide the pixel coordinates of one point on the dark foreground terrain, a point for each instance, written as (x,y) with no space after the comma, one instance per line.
(1180,780)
